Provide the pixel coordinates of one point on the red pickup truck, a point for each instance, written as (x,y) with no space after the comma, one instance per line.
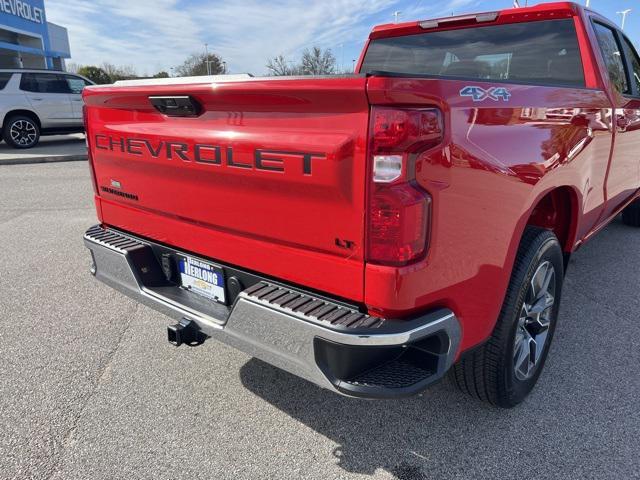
(372,232)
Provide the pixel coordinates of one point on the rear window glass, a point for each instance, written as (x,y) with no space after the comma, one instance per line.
(76,84)
(544,52)
(4,79)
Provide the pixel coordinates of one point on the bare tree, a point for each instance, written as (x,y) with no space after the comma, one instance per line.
(116,72)
(73,67)
(280,66)
(318,62)
(196,65)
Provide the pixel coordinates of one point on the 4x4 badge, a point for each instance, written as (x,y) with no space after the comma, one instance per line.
(479,94)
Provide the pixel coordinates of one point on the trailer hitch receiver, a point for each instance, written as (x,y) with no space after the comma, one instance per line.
(187,332)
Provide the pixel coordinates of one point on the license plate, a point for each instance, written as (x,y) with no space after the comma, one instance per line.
(202,278)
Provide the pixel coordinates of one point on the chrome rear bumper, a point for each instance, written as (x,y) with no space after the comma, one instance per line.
(326,342)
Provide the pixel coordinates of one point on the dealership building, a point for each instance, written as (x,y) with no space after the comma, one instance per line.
(27,40)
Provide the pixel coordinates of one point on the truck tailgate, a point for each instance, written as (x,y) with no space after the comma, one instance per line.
(270,176)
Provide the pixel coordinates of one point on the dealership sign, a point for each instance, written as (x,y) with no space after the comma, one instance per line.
(22,9)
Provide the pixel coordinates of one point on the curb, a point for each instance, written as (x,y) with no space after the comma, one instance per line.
(49,159)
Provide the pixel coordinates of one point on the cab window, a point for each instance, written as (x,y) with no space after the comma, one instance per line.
(613,57)
(632,55)
(43,83)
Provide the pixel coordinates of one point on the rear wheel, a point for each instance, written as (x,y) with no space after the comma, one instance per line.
(631,214)
(21,132)
(506,368)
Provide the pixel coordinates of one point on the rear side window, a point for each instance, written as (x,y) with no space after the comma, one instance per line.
(612,55)
(4,79)
(43,83)
(76,84)
(544,52)
(632,55)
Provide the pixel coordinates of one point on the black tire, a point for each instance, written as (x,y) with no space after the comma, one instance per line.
(631,214)
(21,132)
(489,373)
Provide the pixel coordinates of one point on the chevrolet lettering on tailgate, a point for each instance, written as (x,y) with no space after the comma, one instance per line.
(267,160)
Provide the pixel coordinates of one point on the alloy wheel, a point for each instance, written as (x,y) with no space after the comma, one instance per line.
(534,322)
(23,132)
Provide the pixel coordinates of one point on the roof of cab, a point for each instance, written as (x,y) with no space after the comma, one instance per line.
(543,10)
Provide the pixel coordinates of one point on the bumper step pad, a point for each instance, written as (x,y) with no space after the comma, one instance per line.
(311,308)
(395,374)
(111,239)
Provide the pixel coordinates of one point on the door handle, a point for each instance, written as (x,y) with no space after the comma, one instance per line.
(37,99)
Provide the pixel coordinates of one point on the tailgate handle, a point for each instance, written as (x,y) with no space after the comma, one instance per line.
(176,106)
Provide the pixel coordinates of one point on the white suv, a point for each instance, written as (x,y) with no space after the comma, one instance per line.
(39,102)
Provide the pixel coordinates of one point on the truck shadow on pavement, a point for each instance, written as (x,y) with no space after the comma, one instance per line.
(567,424)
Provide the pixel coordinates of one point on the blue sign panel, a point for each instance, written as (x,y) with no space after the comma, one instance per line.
(32,11)
(27,17)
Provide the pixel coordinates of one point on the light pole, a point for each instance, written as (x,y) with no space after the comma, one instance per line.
(624,14)
(396,16)
(587,4)
(209,70)
(206,58)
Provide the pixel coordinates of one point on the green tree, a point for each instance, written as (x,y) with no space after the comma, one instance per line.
(196,65)
(162,74)
(95,74)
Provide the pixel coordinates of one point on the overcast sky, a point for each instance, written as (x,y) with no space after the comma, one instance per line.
(154,35)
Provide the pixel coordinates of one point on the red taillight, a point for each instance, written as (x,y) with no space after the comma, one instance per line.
(404,131)
(398,218)
(399,210)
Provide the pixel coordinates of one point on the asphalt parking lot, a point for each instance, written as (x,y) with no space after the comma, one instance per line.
(92,390)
